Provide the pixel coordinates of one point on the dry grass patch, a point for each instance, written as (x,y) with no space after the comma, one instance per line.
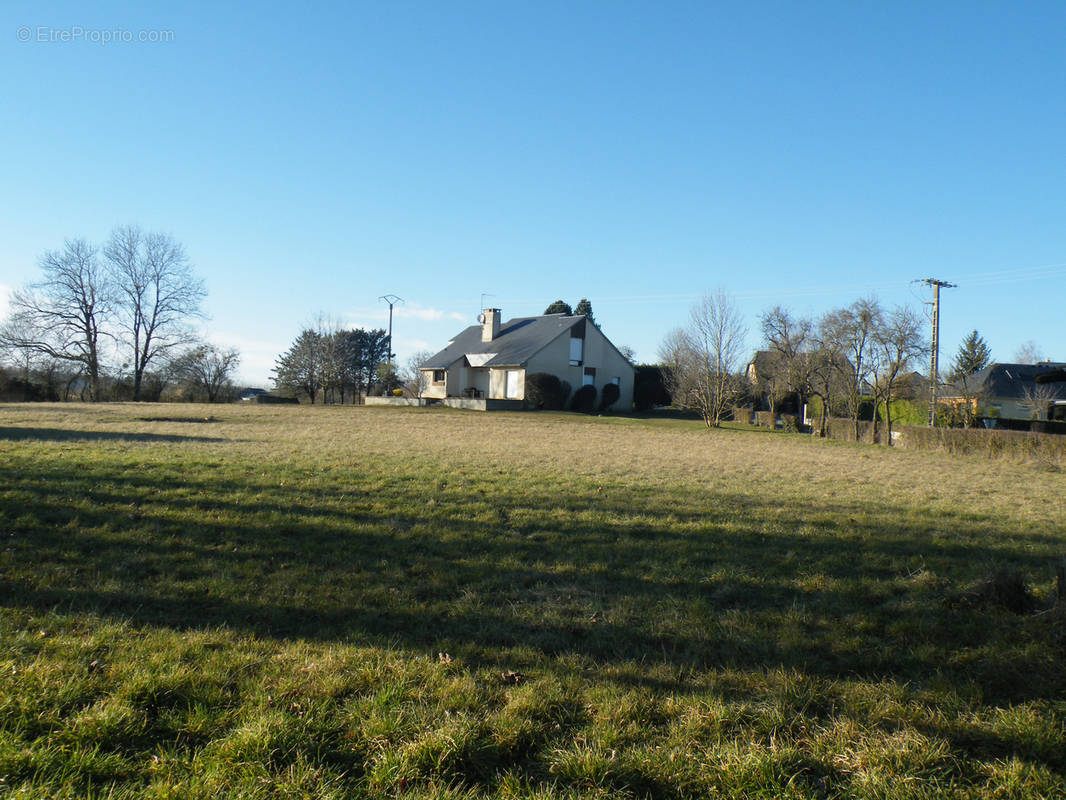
(365,602)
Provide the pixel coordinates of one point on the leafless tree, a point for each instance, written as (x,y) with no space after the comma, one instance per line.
(64,316)
(715,340)
(1028,353)
(677,378)
(790,339)
(898,342)
(208,370)
(157,295)
(1038,396)
(415,378)
(848,333)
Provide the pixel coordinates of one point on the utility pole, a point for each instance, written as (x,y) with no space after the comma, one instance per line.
(392,300)
(934,355)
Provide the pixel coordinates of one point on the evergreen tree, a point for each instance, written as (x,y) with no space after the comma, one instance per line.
(559,307)
(299,369)
(973,356)
(584,307)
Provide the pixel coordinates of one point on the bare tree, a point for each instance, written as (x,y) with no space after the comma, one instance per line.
(848,333)
(64,316)
(208,370)
(415,378)
(1039,396)
(157,295)
(674,357)
(790,339)
(898,342)
(1028,353)
(715,339)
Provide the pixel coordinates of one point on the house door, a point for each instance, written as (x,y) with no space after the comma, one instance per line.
(512,385)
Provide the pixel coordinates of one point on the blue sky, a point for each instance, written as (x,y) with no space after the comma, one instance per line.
(638,154)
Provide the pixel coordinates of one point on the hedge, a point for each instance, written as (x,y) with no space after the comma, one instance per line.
(996,444)
(584,399)
(544,390)
(609,396)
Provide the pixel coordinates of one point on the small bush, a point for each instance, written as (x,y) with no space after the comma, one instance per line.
(584,399)
(790,422)
(544,390)
(742,414)
(609,396)
(843,428)
(766,419)
(397,392)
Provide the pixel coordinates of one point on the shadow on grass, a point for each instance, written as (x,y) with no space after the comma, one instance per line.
(509,576)
(68,435)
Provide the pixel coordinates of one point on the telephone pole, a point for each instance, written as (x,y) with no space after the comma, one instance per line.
(934,355)
(392,300)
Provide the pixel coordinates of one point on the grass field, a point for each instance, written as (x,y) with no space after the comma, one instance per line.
(376,602)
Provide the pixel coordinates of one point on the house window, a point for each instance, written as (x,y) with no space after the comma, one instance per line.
(589,378)
(577,351)
(616,380)
(438,376)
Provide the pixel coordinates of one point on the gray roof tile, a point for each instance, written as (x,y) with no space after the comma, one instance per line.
(519,340)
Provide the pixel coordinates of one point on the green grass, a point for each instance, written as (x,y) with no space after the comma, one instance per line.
(364,602)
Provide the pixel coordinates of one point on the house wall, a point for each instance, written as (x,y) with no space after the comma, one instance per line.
(599,354)
(1010,408)
(455,378)
(498,383)
(432,389)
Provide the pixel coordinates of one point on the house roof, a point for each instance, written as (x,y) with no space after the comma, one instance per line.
(519,340)
(1004,380)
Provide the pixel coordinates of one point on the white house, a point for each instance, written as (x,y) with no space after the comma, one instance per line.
(485,366)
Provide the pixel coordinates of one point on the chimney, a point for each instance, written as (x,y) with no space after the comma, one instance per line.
(490,324)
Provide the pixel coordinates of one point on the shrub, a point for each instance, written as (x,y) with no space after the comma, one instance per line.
(790,422)
(906,412)
(844,428)
(742,414)
(609,396)
(584,399)
(544,390)
(765,419)
(565,395)
(397,392)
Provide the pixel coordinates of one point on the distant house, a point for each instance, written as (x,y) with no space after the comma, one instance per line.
(1009,391)
(765,365)
(767,372)
(485,366)
(250,394)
